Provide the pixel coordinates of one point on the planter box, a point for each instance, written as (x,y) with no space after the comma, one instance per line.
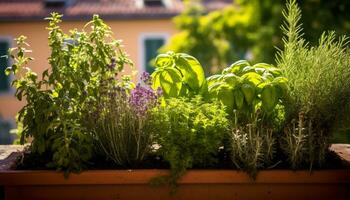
(196,184)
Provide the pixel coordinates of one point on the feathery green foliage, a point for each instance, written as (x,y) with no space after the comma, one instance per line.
(319,78)
(192,135)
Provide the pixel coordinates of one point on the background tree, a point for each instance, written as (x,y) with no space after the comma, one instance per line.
(249,29)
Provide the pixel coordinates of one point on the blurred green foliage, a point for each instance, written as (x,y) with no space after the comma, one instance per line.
(215,38)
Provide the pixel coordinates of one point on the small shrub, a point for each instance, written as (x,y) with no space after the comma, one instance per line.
(318,89)
(193,133)
(54,115)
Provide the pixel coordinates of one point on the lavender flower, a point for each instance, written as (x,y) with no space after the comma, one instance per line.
(143,98)
(146,78)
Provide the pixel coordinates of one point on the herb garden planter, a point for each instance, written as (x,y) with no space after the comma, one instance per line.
(195,184)
(84,113)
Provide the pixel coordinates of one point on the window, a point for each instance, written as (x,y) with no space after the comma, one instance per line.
(5,134)
(55,3)
(151,3)
(4,80)
(150,46)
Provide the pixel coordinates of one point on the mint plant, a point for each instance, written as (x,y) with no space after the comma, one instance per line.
(54,116)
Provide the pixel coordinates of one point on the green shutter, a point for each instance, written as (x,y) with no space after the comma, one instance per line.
(4,80)
(151,51)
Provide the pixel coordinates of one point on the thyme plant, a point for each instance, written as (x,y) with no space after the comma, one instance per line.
(192,135)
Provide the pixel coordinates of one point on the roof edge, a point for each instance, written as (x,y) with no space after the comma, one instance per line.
(87,17)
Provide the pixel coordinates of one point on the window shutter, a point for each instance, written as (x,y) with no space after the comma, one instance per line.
(4,80)
(151,51)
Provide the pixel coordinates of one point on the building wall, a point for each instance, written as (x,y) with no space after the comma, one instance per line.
(130,31)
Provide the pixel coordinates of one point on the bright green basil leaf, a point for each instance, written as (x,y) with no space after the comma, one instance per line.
(169,79)
(236,67)
(191,70)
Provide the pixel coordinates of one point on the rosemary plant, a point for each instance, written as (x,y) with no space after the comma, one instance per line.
(318,81)
(253,146)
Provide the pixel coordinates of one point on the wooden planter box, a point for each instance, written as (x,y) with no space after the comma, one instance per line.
(196,184)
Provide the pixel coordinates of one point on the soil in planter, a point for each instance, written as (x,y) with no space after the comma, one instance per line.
(29,161)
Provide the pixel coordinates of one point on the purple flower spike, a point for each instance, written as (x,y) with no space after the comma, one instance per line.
(142,99)
(146,78)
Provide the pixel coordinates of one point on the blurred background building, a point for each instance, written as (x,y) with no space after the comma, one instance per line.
(143,25)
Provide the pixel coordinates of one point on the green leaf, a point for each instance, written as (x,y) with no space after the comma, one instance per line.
(239,98)
(191,71)
(186,73)
(259,70)
(226,97)
(236,67)
(163,60)
(281,84)
(275,72)
(249,93)
(169,79)
(269,97)
(213,79)
(45,74)
(231,79)
(262,65)
(267,76)
(252,77)
(213,89)
(247,69)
